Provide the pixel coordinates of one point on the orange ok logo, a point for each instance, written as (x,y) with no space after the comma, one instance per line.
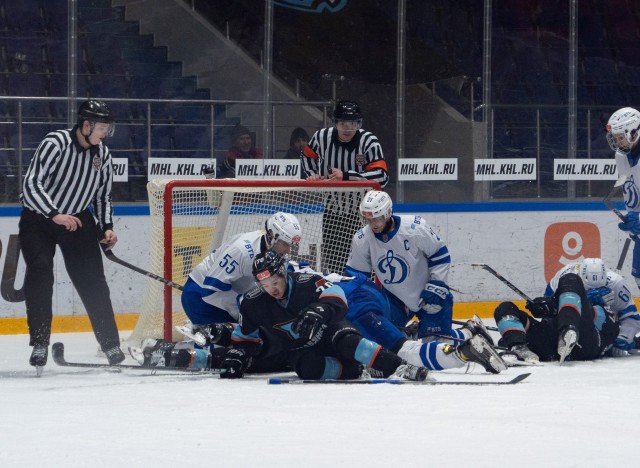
(569,242)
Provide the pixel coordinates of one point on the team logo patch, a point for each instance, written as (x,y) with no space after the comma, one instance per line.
(360,159)
(255,292)
(97,163)
(304,277)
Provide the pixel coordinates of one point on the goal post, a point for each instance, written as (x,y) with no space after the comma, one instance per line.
(190,218)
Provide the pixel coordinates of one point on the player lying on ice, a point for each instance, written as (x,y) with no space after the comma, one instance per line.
(298,320)
(587,311)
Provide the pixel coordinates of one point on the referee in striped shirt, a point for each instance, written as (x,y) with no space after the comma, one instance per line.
(342,152)
(70,170)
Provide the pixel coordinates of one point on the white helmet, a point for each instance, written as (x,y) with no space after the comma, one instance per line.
(284,227)
(375,204)
(622,129)
(593,273)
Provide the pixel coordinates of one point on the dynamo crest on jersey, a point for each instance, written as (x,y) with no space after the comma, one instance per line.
(313,6)
(394,268)
(631,195)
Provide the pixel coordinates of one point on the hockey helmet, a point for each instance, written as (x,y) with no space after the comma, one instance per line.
(623,129)
(347,110)
(284,227)
(269,263)
(593,273)
(96,111)
(375,204)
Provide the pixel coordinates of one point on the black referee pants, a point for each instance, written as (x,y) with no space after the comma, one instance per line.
(83,261)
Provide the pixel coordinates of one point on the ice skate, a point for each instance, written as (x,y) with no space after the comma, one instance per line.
(520,355)
(477,327)
(39,357)
(409,372)
(151,353)
(567,339)
(523,353)
(200,334)
(479,350)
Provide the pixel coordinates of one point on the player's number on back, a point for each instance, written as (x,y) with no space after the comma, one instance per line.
(228,263)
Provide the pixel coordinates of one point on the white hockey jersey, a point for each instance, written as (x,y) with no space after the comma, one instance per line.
(622,306)
(227,271)
(631,187)
(404,260)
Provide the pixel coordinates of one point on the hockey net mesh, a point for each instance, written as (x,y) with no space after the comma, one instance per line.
(205,215)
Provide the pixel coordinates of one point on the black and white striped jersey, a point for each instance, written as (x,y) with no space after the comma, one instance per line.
(359,159)
(65,178)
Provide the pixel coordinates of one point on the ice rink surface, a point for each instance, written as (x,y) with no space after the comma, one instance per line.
(577,415)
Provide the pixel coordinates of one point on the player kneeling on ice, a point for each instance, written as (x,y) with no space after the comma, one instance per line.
(586,311)
(410,260)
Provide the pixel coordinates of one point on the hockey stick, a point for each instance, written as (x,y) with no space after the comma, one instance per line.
(460,322)
(608,199)
(57,351)
(277,381)
(609,204)
(623,254)
(111,256)
(486,267)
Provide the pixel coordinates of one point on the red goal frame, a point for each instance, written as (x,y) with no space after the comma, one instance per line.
(240,183)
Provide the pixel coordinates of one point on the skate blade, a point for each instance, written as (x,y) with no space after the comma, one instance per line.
(198,338)
(39,370)
(564,351)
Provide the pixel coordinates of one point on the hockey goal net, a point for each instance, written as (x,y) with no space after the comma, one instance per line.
(190,218)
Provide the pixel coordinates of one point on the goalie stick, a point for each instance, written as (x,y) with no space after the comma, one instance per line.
(486,267)
(57,351)
(278,380)
(111,256)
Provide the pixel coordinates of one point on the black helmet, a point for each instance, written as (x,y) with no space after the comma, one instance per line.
(95,111)
(267,264)
(347,110)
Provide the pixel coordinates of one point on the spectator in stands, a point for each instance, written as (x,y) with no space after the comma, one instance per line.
(299,139)
(242,147)
(70,170)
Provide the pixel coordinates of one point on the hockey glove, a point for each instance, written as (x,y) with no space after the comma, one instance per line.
(435,297)
(235,363)
(542,307)
(632,225)
(310,325)
(601,296)
(622,345)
